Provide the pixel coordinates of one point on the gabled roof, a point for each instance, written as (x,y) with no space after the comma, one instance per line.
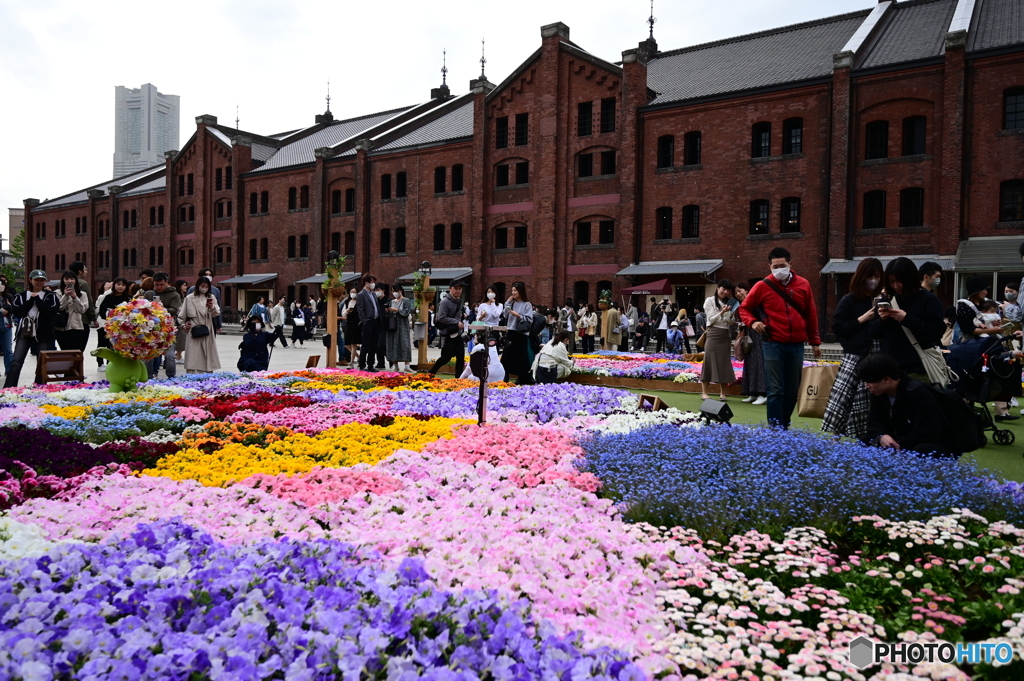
(302,151)
(783,55)
(997,23)
(912,31)
(156,184)
(457,123)
(82,195)
(260,151)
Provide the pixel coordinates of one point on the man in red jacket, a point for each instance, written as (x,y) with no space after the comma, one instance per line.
(781,308)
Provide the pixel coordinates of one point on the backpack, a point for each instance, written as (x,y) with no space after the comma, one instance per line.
(964,427)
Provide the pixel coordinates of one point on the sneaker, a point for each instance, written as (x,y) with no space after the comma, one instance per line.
(749,399)
(102,367)
(1013,402)
(761,400)
(372,370)
(1006,417)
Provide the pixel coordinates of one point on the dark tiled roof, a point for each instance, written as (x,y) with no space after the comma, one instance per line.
(997,23)
(82,195)
(452,125)
(157,184)
(302,151)
(916,30)
(261,152)
(783,55)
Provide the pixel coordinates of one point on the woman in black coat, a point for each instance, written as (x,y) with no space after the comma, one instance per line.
(255,354)
(849,402)
(920,312)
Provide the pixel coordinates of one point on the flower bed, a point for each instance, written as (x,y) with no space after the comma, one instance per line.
(333,523)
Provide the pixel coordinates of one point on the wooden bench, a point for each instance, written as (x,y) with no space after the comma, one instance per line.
(60,365)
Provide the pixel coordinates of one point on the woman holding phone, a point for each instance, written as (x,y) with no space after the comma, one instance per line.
(196,318)
(71,331)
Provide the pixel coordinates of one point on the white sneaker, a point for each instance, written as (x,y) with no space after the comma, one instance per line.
(1013,402)
(761,400)
(748,399)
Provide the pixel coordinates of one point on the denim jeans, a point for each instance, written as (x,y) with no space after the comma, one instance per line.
(783,365)
(170,366)
(21,350)
(6,334)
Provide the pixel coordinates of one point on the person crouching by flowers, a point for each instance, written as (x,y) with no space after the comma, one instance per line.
(553,361)
(37,310)
(196,317)
(254,346)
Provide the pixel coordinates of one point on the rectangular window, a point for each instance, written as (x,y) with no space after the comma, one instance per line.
(585,166)
(385,187)
(350,200)
(159,215)
(914,129)
(912,207)
(303,197)
(457,177)
(608,114)
(790,216)
(501,238)
(181,185)
(608,162)
(152,218)
(291,247)
(265,202)
(583,234)
(502,178)
(264,249)
(303,246)
(520,236)
(501,132)
(293,198)
(691,222)
(438,237)
(253,204)
(522,129)
(400,240)
(218,179)
(1011,201)
(523,172)
(227,177)
(666,151)
(350,243)
(584,119)
(456,237)
(606,232)
(793,136)
(385,241)
(691,144)
(335,201)
(401,187)
(336,241)
(253,253)
(761,140)
(191,185)
(440,180)
(1013,108)
(759,217)
(663,222)
(876,140)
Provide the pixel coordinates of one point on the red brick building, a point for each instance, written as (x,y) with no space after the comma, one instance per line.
(897,130)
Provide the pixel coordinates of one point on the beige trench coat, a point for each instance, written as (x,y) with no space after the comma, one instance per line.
(200,353)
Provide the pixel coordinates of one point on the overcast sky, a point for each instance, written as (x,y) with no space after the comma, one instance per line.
(60,61)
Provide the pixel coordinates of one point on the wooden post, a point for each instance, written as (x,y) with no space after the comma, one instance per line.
(421,358)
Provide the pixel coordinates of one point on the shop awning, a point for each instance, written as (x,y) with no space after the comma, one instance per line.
(990,254)
(653,288)
(346,277)
(850,266)
(442,274)
(249,279)
(701,267)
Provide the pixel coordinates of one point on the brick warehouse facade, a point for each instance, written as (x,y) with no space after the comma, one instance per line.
(897,130)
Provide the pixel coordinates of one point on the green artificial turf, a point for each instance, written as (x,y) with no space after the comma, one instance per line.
(1006,461)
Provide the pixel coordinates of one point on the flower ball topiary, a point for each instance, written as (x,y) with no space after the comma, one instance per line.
(140,329)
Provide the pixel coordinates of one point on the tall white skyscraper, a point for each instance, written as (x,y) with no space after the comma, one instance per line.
(145,126)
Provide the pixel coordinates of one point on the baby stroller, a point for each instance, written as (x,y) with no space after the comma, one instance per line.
(979,368)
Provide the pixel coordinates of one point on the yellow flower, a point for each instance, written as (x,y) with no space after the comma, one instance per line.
(344,446)
(71,413)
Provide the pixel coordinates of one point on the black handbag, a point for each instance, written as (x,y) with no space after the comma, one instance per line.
(392,323)
(200,331)
(62,319)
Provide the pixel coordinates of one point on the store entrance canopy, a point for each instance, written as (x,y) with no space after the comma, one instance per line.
(346,277)
(442,274)
(654,288)
(703,268)
(990,254)
(850,266)
(249,279)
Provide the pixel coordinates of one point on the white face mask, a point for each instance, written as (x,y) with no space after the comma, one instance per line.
(781,273)
(352,295)
(379,294)
(257,327)
(394,294)
(871,284)
(204,291)
(491,295)
(2,287)
(936,281)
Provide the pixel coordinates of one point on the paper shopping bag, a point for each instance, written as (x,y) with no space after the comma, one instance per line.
(815,387)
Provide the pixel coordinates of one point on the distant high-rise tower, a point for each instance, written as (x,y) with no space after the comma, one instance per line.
(145,126)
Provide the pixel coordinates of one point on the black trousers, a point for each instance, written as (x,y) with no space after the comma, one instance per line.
(451,348)
(73,339)
(588,344)
(662,336)
(21,350)
(279,333)
(368,349)
(516,358)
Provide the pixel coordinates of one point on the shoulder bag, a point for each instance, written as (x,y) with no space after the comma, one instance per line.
(932,359)
(200,330)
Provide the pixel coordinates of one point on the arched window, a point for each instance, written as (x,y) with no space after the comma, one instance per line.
(336,241)
(160,255)
(135,218)
(385,240)
(335,202)
(1011,201)
(438,237)
(264,202)
(790,215)
(581,292)
(583,233)
(519,236)
(304,197)
(761,140)
(912,207)
(264,249)
(253,252)
(400,240)
(666,151)
(506,237)
(440,179)
(663,222)
(457,178)
(152,256)
(1013,108)
(691,222)
(606,232)
(759,217)
(456,237)
(293,198)
(126,221)
(385,187)
(874,209)
(222,254)
(159,215)
(350,243)
(253,204)
(792,136)
(291,247)
(152,217)
(350,200)
(914,129)
(401,185)
(876,140)
(691,148)
(182,214)
(304,246)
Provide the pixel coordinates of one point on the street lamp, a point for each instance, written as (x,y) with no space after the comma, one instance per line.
(425,268)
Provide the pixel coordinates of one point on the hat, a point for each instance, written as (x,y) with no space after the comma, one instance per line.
(38,274)
(977,285)
(675,324)
(457,282)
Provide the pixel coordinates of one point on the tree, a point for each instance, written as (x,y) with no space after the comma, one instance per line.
(13,267)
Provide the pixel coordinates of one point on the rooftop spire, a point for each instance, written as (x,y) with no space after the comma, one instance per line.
(236,116)
(329,92)
(442,92)
(483,60)
(444,67)
(651,20)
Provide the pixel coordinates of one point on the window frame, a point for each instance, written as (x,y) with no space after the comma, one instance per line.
(584,119)
(584,232)
(522,129)
(439,237)
(915,135)
(912,200)
(761,139)
(501,132)
(663,220)
(691,151)
(1013,112)
(691,221)
(760,216)
(876,139)
(793,135)
(666,150)
(786,222)
(1007,189)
